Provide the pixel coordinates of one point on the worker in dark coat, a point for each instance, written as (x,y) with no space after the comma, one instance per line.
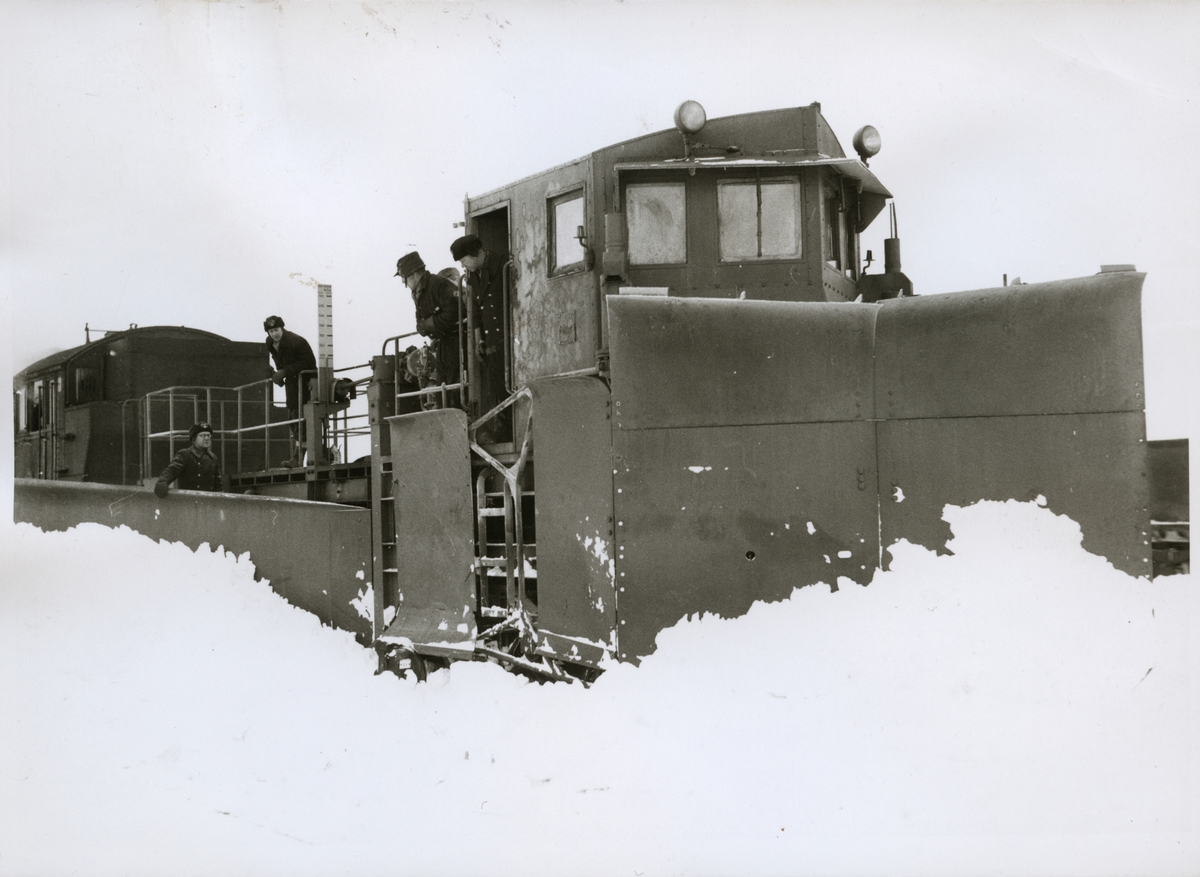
(292,355)
(435,299)
(485,284)
(196,467)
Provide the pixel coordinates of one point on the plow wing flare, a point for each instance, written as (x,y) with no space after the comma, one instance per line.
(761,446)
(1016,393)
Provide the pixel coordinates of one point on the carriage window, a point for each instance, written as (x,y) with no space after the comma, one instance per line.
(654,215)
(34,416)
(566,223)
(87,384)
(19,409)
(758,219)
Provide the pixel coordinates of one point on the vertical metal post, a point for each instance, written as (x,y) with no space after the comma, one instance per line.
(171,424)
(317,440)
(239,429)
(324,341)
(146,443)
(268,392)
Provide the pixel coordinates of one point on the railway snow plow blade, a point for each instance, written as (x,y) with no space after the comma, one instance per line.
(315,554)
(744,451)
(576,606)
(1015,393)
(761,446)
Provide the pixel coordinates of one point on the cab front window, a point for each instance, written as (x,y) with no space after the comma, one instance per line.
(758,219)
(655,217)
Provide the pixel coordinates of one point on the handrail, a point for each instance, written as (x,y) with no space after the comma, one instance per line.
(396,338)
(209,403)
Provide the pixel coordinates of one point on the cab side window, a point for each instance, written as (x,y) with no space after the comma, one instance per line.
(87,384)
(34,409)
(567,227)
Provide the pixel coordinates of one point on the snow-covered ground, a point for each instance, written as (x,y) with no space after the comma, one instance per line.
(1015,708)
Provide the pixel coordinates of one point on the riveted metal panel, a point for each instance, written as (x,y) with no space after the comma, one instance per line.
(316,555)
(1090,467)
(1046,348)
(572,442)
(706,362)
(435,528)
(712,519)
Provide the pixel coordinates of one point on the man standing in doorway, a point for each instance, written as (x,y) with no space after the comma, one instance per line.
(435,299)
(292,356)
(485,280)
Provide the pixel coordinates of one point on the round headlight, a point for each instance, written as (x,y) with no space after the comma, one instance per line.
(866,142)
(690,117)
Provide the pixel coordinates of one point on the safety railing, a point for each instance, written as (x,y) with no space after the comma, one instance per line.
(440,391)
(250,429)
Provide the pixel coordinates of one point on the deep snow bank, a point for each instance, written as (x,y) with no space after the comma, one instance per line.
(1017,707)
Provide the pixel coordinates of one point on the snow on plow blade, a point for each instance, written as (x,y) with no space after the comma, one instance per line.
(760,446)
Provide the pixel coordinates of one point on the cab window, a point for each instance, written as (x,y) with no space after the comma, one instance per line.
(567,227)
(758,219)
(655,217)
(835,232)
(34,418)
(87,384)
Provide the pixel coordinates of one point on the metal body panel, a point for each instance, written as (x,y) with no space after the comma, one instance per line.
(712,519)
(1065,347)
(435,527)
(316,555)
(572,438)
(1090,467)
(711,363)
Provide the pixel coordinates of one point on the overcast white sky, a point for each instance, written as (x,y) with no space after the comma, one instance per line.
(207,163)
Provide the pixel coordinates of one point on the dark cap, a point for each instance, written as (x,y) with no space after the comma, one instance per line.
(273,323)
(467,245)
(409,264)
(198,428)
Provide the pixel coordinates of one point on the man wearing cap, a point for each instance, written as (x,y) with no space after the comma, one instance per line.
(435,299)
(485,280)
(292,355)
(196,467)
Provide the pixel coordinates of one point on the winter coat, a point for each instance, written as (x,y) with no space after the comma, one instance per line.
(195,470)
(292,356)
(436,302)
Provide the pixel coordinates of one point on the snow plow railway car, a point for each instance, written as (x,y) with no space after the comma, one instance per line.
(711,400)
